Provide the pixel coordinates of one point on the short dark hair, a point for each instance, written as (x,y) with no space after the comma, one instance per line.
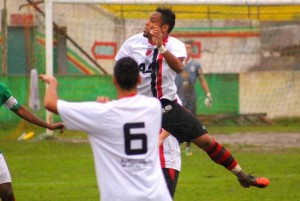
(126,72)
(189,42)
(168,17)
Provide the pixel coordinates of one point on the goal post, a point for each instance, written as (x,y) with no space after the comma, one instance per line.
(49,53)
(248,48)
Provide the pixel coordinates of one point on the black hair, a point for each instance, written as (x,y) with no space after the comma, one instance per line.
(168,17)
(126,72)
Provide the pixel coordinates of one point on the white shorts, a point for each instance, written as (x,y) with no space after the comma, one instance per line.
(4,172)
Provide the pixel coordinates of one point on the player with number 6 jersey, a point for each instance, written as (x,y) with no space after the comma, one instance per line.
(123,135)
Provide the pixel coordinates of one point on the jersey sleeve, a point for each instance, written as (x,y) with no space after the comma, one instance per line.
(7,99)
(125,50)
(177,48)
(78,115)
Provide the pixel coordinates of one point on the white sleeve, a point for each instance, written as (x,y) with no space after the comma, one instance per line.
(177,48)
(77,116)
(124,51)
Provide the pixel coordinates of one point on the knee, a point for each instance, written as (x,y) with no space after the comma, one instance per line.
(204,141)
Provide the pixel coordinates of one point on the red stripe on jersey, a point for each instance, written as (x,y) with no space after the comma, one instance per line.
(159,72)
(162,156)
(159,77)
(148,52)
(172,173)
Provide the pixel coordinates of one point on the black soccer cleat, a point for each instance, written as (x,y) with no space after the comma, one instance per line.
(247,180)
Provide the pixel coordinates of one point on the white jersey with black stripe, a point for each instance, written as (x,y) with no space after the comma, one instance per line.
(124,140)
(162,84)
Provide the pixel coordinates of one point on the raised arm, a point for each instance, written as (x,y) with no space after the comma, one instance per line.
(51,97)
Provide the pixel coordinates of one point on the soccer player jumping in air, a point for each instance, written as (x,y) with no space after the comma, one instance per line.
(160,58)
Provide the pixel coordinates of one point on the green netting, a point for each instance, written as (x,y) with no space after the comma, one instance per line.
(225,93)
(224,89)
(71,88)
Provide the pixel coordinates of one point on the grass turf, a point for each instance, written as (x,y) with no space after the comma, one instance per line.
(54,170)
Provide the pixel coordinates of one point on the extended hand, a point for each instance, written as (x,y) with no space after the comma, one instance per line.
(208,100)
(47,78)
(103,99)
(58,126)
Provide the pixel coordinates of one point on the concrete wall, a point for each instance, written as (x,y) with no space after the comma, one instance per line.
(274,93)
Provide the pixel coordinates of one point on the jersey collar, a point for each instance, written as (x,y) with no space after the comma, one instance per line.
(127,95)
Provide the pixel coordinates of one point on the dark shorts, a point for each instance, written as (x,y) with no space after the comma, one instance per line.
(180,122)
(171,177)
(190,105)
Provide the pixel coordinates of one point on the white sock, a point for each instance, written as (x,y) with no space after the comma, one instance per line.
(236,169)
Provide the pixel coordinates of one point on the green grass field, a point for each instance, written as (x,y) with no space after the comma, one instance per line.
(58,170)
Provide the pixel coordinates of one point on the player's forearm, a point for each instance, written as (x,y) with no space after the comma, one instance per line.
(27,115)
(204,85)
(51,97)
(175,63)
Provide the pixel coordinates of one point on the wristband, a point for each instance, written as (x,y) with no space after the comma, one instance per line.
(162,49)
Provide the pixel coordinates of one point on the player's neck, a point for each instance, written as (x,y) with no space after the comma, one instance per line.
(187,60)
(126,94)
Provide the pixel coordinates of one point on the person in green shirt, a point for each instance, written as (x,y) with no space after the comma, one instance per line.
(6,98)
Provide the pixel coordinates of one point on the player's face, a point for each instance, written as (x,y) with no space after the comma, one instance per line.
(154,20)
(189,49)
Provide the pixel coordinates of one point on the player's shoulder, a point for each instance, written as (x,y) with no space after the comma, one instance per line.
(148,98)
(152,101)
(3,88)
(176,45)
(172,39)
(196,63)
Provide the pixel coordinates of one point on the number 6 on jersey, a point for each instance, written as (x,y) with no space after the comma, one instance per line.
(131,139)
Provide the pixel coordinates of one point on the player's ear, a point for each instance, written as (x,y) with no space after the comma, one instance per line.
(165,28)
(114,81)
(139,80)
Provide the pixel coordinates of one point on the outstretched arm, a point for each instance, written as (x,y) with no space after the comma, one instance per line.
(26,114)
(51,97)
